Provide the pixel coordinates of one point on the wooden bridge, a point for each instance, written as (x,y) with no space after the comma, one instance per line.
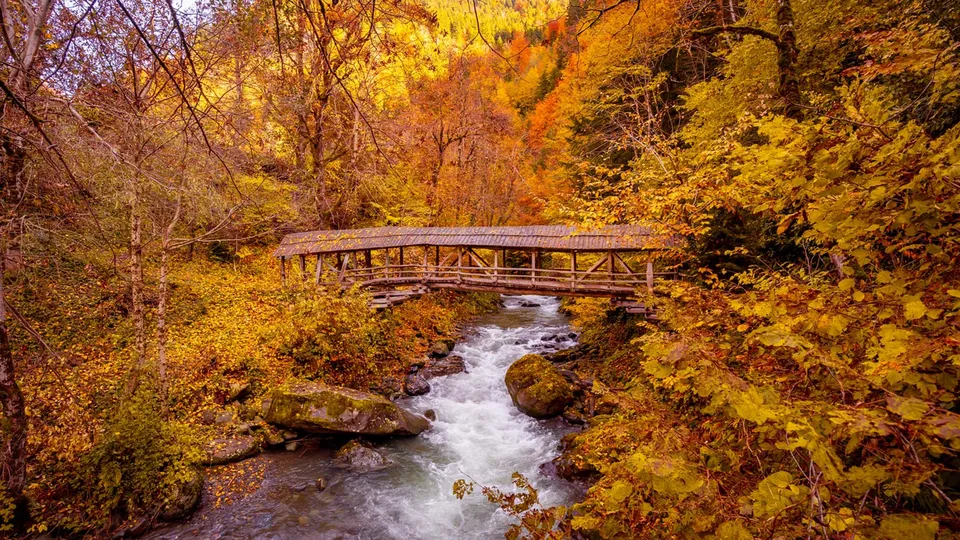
(397,263)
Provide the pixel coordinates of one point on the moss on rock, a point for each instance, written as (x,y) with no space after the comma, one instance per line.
(184,497)
(537,388)
(319,408)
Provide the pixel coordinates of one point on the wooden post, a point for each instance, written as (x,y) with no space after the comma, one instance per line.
(426,263)
(366,259)
(611,267)
(386,262)
(437,260)
(303,267)
(533,266)
(650,277)
(283,270)
(342,263)
(459,264)
(573,270)
(401,255)
(496,265)
(319,272)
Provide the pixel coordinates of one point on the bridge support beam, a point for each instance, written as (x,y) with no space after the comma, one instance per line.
(533,266)
(573,270)
(650,277)
(611,268)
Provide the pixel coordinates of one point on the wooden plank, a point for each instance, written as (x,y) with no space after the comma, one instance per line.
(319,270)
(283,270)
(303,267)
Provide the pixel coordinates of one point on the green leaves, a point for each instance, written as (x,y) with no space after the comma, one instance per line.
(775,493)
(619,492)
(899,526)
(908,408)
(750,406)
(913,308)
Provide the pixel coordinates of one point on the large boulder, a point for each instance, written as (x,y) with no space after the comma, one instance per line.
(537,388)
(319,408)
(359,457)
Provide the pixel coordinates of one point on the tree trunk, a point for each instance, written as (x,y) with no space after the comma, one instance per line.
(164,292)
(787,53)
(788,84)
(13,454)
(138,313)
(162,320)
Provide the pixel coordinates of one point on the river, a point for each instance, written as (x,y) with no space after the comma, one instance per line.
(478,434)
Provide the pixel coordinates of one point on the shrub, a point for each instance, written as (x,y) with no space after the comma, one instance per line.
(140,459)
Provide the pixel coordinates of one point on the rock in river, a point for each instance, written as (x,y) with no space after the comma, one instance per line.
(319,408)
(416,384)
(359,457)
(439,349)
(221,451)
(537,388)
(439,367)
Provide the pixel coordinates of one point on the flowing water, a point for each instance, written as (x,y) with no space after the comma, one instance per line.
(478,435)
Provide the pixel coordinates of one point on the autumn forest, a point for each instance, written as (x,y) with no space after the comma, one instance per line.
(799,378)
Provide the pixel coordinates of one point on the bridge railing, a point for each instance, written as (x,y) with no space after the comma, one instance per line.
(496,278)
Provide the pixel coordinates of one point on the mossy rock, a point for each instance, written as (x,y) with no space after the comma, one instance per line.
(537,388)
(319,408)
(185,497)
